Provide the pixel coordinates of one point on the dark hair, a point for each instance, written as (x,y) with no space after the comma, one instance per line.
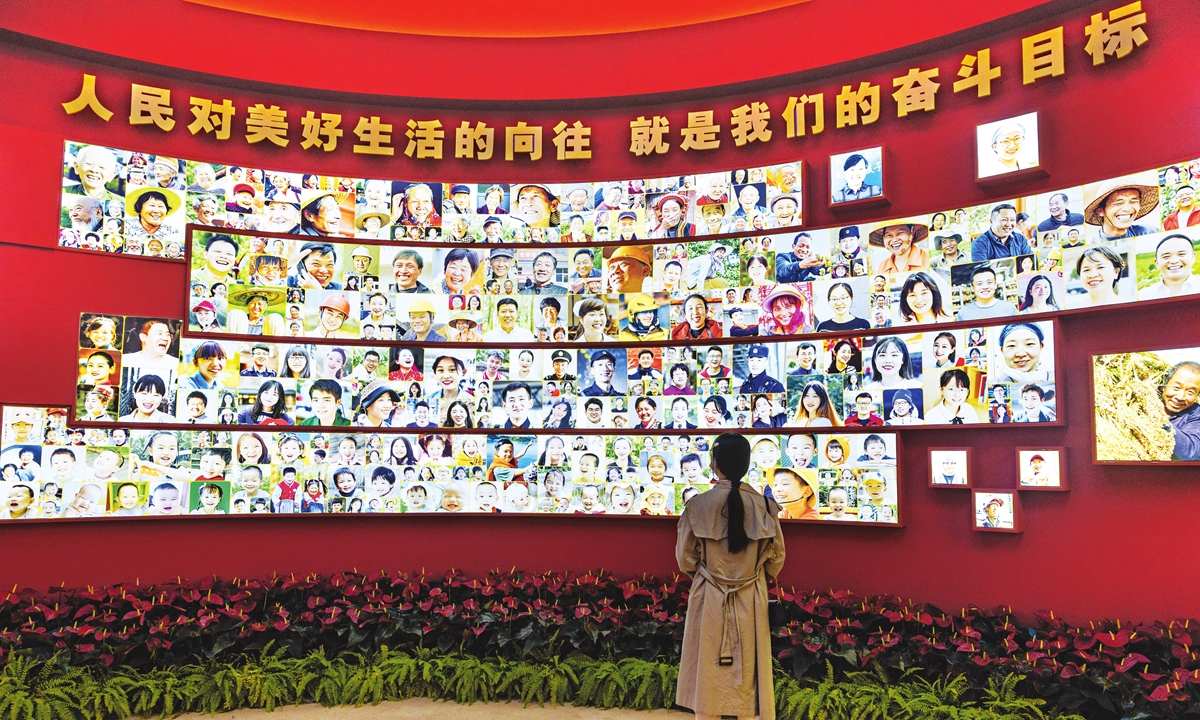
(321,248)
(1174,236)
(148,196)
(588,305)
(461,254)
(146,383)
(874,438)
(981,270)
(924,279)
(906,371)
(1034,387)
(197,394)
(731,455)
(719,402)
(853,160)
(108,357)
(333,387)
(593,401)
(1108,254)
(1028,301)
(956,375)
(280,404)
(507,301)
(1002,206)
(846,286)
(214,239)
(1062,195)
(548,302)
(410,254)
(514,386)
(468,423)
(953,344)
(855,361)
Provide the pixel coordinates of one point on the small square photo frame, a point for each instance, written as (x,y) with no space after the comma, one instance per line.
(1008,150)
(957,460)
(995,510)
(1042,469)
(857,179)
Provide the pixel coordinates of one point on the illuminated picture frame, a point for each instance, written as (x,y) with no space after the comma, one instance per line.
(944,458)
(1042,468)
(858,179)
(995,510)
(1008,150)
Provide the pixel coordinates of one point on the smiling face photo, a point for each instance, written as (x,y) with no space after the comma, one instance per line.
(1007,146)
(949,467)
(856,176)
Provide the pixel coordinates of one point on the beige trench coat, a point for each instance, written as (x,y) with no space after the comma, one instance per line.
(727,607)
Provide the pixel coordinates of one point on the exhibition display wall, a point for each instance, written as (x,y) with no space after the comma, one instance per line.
(895,311)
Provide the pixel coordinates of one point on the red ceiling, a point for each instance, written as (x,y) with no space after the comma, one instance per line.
(308,51)
(533,18)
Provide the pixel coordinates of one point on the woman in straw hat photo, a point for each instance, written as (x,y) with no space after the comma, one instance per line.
(148,209)
(248,311)
(902,239)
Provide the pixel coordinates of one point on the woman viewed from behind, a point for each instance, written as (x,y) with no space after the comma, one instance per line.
(730,543)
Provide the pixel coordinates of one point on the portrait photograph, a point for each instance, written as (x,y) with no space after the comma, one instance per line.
(1007,146)
(1146,407)
(950,467)
(995,511)
(856,176)
(1041,468)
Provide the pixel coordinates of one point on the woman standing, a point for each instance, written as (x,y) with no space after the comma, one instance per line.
(730,543)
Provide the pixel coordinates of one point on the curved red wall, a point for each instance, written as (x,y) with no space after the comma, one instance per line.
(1118,544)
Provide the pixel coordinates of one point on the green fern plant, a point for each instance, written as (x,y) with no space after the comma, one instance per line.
(554,681)
(162,690)
(36,690)
(104,697)
(475,680)
(212,688)
(268,682)
(322,679)
(602,685)
(653,683)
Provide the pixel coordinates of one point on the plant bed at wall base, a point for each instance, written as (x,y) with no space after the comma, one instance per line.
(1109,669)
(37,689)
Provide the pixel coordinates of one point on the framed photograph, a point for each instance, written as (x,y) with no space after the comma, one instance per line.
(995,511)
(1144,407)
(856,179)
(1008,149)
(1041,468)
(950,467)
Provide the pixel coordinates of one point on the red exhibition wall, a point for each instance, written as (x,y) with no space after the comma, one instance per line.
(1120,543)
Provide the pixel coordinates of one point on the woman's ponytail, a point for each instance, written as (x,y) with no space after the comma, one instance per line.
(731,454)
(737,518)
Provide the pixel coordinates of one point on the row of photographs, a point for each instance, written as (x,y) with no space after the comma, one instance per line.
(135,369)
(252,285)
(49,470)
(137,203)
(1038,468)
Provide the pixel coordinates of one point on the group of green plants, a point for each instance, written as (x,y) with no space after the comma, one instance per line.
(587,639)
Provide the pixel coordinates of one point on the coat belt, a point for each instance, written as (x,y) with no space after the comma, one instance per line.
(731,645)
